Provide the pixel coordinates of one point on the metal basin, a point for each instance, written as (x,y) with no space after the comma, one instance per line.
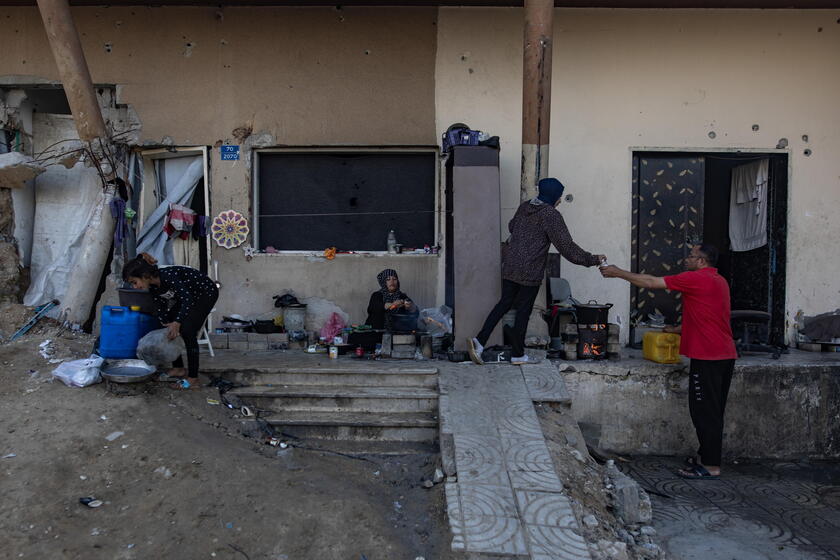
(127,371)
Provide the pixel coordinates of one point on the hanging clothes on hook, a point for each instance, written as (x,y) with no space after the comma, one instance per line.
(748,205)
(179,221)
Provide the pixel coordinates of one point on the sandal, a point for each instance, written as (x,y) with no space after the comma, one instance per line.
(185,385)
(697,472)
(691,461)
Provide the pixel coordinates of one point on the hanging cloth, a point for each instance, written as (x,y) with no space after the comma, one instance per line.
(179,221)
(748,206)
(117,206)
(201,227)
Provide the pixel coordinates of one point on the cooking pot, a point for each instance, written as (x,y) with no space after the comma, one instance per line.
(592,313)
(404,322)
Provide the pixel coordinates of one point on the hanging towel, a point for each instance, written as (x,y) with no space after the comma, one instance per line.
(748,206)
(179,221)
(201,227)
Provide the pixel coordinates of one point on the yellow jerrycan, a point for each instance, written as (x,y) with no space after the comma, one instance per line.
(661,347)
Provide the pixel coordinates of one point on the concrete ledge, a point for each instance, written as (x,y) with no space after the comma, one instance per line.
(784,408)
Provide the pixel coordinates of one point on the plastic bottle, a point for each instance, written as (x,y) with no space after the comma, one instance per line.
(392,242)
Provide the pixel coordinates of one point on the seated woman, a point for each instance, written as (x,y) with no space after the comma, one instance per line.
(388,301)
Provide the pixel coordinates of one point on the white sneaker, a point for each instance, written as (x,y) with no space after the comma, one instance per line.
(519,360)
(475,349)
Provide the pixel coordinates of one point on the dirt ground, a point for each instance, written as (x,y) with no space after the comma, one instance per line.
(182,482)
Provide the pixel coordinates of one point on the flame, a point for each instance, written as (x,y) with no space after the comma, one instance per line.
(592,349)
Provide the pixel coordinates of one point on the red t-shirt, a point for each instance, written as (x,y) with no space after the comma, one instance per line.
(706,333)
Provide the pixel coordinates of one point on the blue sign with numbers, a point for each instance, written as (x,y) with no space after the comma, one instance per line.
(230,152)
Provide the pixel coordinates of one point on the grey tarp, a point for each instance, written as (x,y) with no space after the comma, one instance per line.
(152,238)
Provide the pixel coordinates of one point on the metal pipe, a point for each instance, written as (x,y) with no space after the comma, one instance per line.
(536,93)
(72,68)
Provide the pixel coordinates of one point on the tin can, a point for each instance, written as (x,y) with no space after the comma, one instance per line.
(333,352)
(338,340)
(360,351)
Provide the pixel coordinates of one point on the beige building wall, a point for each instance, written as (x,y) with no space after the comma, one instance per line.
(294,76)
(657,79)
(623,80)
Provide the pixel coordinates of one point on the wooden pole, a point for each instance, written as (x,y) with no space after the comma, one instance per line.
(536,94)
(83,281)
(73,69)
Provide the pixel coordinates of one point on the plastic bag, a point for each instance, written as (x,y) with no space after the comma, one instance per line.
(332,327)
(437,321)
(157,350)
(80,373)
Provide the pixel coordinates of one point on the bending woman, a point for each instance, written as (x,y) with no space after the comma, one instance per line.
(184,297)
(387,301)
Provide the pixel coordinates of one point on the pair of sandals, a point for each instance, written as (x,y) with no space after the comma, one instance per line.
(695,471)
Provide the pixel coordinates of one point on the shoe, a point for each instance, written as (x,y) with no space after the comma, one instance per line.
(475,349)
(519,360)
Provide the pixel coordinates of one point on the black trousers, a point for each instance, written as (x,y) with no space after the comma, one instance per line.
(516,296)
(190,327)
(708,388)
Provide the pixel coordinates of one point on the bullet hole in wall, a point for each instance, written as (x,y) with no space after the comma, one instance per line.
(471,70)
(569,198)
(109,47)
(804,137)
(807,152)
(712,135)
(367,51)
(755,128)
(783,142)
(819,29)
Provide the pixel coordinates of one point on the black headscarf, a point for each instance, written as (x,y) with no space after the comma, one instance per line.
(388,297)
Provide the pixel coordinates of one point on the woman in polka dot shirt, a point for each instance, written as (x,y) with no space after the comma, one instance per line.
(184,297)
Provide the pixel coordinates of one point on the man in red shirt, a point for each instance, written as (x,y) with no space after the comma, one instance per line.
(707,340)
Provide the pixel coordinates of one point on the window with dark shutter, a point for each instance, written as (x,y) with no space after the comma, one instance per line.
(307,201)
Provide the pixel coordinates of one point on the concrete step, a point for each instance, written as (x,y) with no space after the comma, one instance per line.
(363,448)
(357,426)
(339,398)
(348,376)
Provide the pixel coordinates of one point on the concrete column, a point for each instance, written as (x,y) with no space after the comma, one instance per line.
(536,94)
(72,67)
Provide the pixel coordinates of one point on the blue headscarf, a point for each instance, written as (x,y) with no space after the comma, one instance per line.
(550,190)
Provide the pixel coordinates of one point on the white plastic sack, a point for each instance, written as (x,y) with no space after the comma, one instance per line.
(80,373)
(157,350)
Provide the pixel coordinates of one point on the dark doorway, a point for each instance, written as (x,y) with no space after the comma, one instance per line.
(680,199)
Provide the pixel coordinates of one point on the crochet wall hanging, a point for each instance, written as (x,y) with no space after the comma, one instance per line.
(230,229)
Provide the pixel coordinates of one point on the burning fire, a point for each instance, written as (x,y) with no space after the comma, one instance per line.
(592,349)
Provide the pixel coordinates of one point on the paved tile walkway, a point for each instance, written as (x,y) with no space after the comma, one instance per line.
(507,499)
(764,510)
